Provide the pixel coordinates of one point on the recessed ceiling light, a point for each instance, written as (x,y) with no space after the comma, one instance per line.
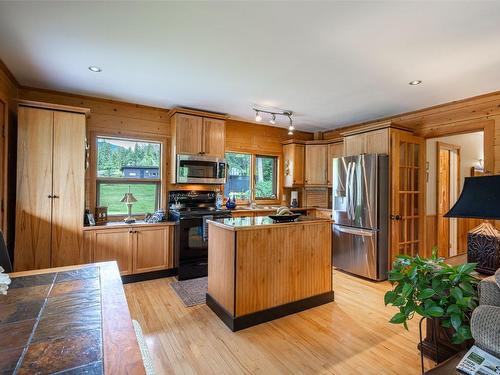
(415,82)
(95,69)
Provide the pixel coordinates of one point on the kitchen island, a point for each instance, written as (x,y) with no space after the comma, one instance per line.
(259,270)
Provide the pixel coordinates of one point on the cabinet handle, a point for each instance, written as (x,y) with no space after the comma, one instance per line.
(55,196)
(50,196)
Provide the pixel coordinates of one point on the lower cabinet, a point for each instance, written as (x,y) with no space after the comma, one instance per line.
(137,249)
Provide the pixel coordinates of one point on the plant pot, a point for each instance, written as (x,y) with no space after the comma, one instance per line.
(444,346)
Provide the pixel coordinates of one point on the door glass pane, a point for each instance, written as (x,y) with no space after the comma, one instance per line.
(402,154)
(416,153)
(238,176)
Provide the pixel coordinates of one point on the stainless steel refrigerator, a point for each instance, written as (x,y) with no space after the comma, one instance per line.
(360,205)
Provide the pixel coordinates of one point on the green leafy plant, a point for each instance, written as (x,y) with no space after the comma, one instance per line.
(433,289)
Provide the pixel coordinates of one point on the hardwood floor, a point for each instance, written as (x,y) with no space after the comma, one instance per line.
(349,336)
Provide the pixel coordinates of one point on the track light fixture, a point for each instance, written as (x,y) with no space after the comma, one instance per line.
(258,117)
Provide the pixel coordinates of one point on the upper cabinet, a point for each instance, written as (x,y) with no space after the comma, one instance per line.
(188,133)
(214,137)
(335,150)
(197,135)
(316,164)
(293,156)
(370,142)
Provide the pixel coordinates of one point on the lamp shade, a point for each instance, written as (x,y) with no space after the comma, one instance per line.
(480,199)
(128,198)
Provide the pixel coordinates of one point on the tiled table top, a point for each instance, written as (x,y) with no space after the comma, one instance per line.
(52,323)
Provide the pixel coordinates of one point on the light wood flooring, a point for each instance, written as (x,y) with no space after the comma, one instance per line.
(349,336)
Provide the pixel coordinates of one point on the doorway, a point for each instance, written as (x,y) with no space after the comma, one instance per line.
(449,160)
(447,189)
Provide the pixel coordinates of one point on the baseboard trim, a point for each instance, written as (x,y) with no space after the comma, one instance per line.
(126,279)
(245,321)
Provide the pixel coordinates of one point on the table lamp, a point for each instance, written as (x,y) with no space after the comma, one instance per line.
(129,199)
(480,199)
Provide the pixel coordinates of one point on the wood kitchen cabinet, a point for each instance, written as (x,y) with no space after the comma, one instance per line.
(50,186)
(335,150)
(293,155)
(316,164)
(136,249)
(371,142)
(197,135)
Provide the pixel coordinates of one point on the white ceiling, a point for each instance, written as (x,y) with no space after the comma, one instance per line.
(333,63)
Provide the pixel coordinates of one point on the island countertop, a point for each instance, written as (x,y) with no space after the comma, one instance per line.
(246,223)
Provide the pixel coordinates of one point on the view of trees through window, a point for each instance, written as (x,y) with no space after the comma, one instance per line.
(124,164)
(240,175)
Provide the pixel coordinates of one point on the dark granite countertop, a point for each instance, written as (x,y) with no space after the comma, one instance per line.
(239,223)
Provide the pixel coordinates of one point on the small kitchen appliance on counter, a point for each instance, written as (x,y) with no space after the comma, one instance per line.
(191,210)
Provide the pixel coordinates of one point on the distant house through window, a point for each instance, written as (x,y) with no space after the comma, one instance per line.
(128,163)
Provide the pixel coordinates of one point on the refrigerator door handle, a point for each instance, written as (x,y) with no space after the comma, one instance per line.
(348,191)
(351,190)
(356,232)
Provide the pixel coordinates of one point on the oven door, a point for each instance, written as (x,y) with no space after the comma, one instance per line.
(192,255)
(193,169)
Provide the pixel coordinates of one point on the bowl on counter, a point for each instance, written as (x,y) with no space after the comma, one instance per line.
(284,218)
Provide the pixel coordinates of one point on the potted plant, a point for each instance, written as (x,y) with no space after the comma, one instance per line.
(433,289)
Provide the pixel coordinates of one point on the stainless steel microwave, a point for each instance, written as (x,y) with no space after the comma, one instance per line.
(200,169)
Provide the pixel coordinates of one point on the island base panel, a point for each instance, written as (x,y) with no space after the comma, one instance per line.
(245,321)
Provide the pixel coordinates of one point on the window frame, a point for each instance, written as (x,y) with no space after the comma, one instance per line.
(253,157)
(93,181)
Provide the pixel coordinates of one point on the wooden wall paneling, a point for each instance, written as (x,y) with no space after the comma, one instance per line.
(68,189)
(304,252)
(431,239)
(108,115)
(221,267)
(8,138)
(34,186)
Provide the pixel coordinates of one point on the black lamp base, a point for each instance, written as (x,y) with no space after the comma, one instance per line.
(483,248)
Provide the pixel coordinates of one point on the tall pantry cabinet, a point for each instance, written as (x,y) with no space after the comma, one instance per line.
(50,186)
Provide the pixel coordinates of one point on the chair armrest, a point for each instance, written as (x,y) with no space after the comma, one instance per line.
(485,328)
(489,292)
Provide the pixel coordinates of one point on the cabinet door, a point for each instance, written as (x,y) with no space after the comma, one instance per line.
(114,244)
(68,189)
(188,134)
(316,164)
(34,185)
(152,249)
(355,144)
(335,150)
(377,142)
(293,154)
(214,137)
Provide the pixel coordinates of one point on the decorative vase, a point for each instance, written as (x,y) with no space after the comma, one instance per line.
(231,204)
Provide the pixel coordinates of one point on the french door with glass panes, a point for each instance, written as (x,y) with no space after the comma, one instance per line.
(407,194)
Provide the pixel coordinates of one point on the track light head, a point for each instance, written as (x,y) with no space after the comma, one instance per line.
(273,119)
(258,117)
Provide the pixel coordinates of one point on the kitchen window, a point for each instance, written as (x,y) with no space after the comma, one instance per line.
(124,164)
(251,177)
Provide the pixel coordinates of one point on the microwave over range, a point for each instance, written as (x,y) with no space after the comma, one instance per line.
(200,169)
